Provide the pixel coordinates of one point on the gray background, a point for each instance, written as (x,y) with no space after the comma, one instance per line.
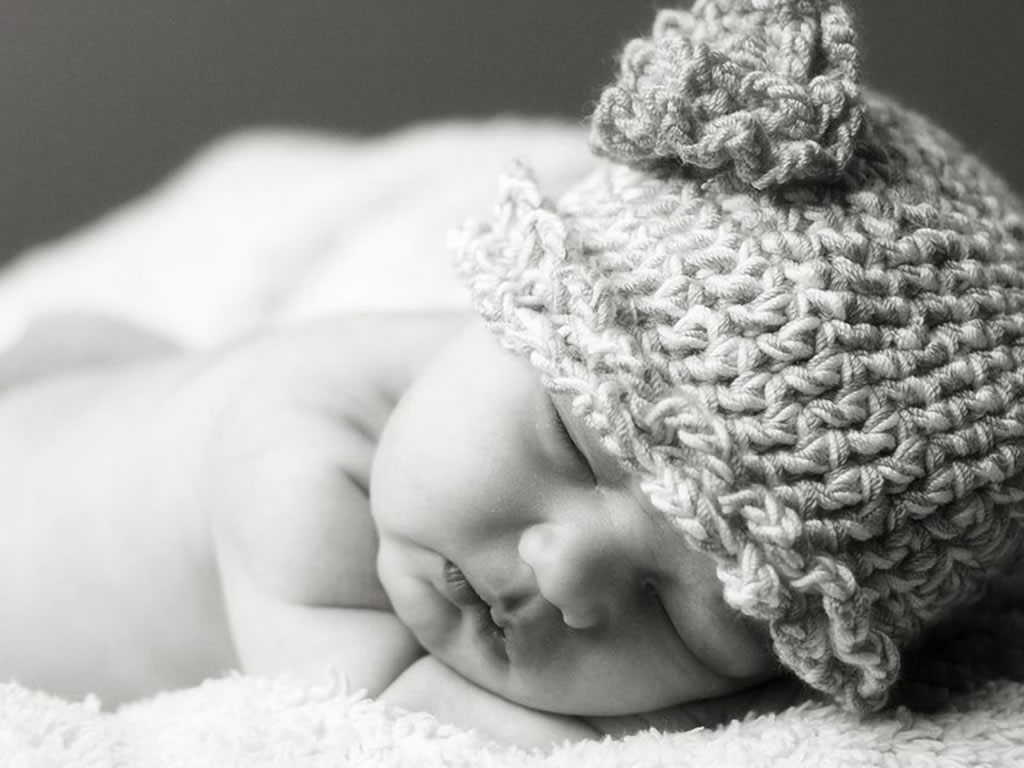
(101,98)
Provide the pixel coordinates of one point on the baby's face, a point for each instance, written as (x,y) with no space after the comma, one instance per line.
(528,561)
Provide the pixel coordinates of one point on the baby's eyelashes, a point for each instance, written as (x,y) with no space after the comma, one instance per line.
(586,445)
(650,592)
(566,439)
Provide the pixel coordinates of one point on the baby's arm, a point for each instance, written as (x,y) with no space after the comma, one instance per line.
(428,685)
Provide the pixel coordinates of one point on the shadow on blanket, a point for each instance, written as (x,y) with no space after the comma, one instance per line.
(962,654)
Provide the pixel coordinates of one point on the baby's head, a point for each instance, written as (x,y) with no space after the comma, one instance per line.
(784,327)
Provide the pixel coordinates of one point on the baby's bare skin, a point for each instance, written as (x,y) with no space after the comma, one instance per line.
(175,516)
(94,573)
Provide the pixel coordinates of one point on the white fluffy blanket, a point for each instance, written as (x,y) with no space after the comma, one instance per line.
(269,226)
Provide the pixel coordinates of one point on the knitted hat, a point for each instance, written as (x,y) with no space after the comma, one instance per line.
(796,311)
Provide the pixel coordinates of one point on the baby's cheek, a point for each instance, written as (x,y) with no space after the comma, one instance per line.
(400,569)
(737,646)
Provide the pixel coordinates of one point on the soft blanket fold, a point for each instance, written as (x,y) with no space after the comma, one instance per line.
(270,226)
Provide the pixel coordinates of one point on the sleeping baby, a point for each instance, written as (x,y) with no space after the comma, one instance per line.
(735,421)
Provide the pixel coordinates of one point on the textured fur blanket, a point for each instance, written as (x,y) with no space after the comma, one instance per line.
(266,227)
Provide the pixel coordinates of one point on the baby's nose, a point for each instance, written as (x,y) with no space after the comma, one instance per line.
(573,571)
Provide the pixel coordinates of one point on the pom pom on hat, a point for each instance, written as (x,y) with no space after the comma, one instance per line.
(764,89)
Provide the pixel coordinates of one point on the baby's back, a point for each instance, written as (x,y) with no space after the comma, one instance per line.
(99,592)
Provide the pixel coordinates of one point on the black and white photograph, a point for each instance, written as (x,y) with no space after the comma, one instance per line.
(507,384)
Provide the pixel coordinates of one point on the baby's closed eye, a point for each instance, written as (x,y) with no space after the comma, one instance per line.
(569,443)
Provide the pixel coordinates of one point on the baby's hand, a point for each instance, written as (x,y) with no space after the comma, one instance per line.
(430,686)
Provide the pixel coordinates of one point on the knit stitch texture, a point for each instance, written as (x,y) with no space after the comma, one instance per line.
(795,310)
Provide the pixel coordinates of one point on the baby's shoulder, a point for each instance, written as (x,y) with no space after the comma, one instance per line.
(290,512)
(288,469)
